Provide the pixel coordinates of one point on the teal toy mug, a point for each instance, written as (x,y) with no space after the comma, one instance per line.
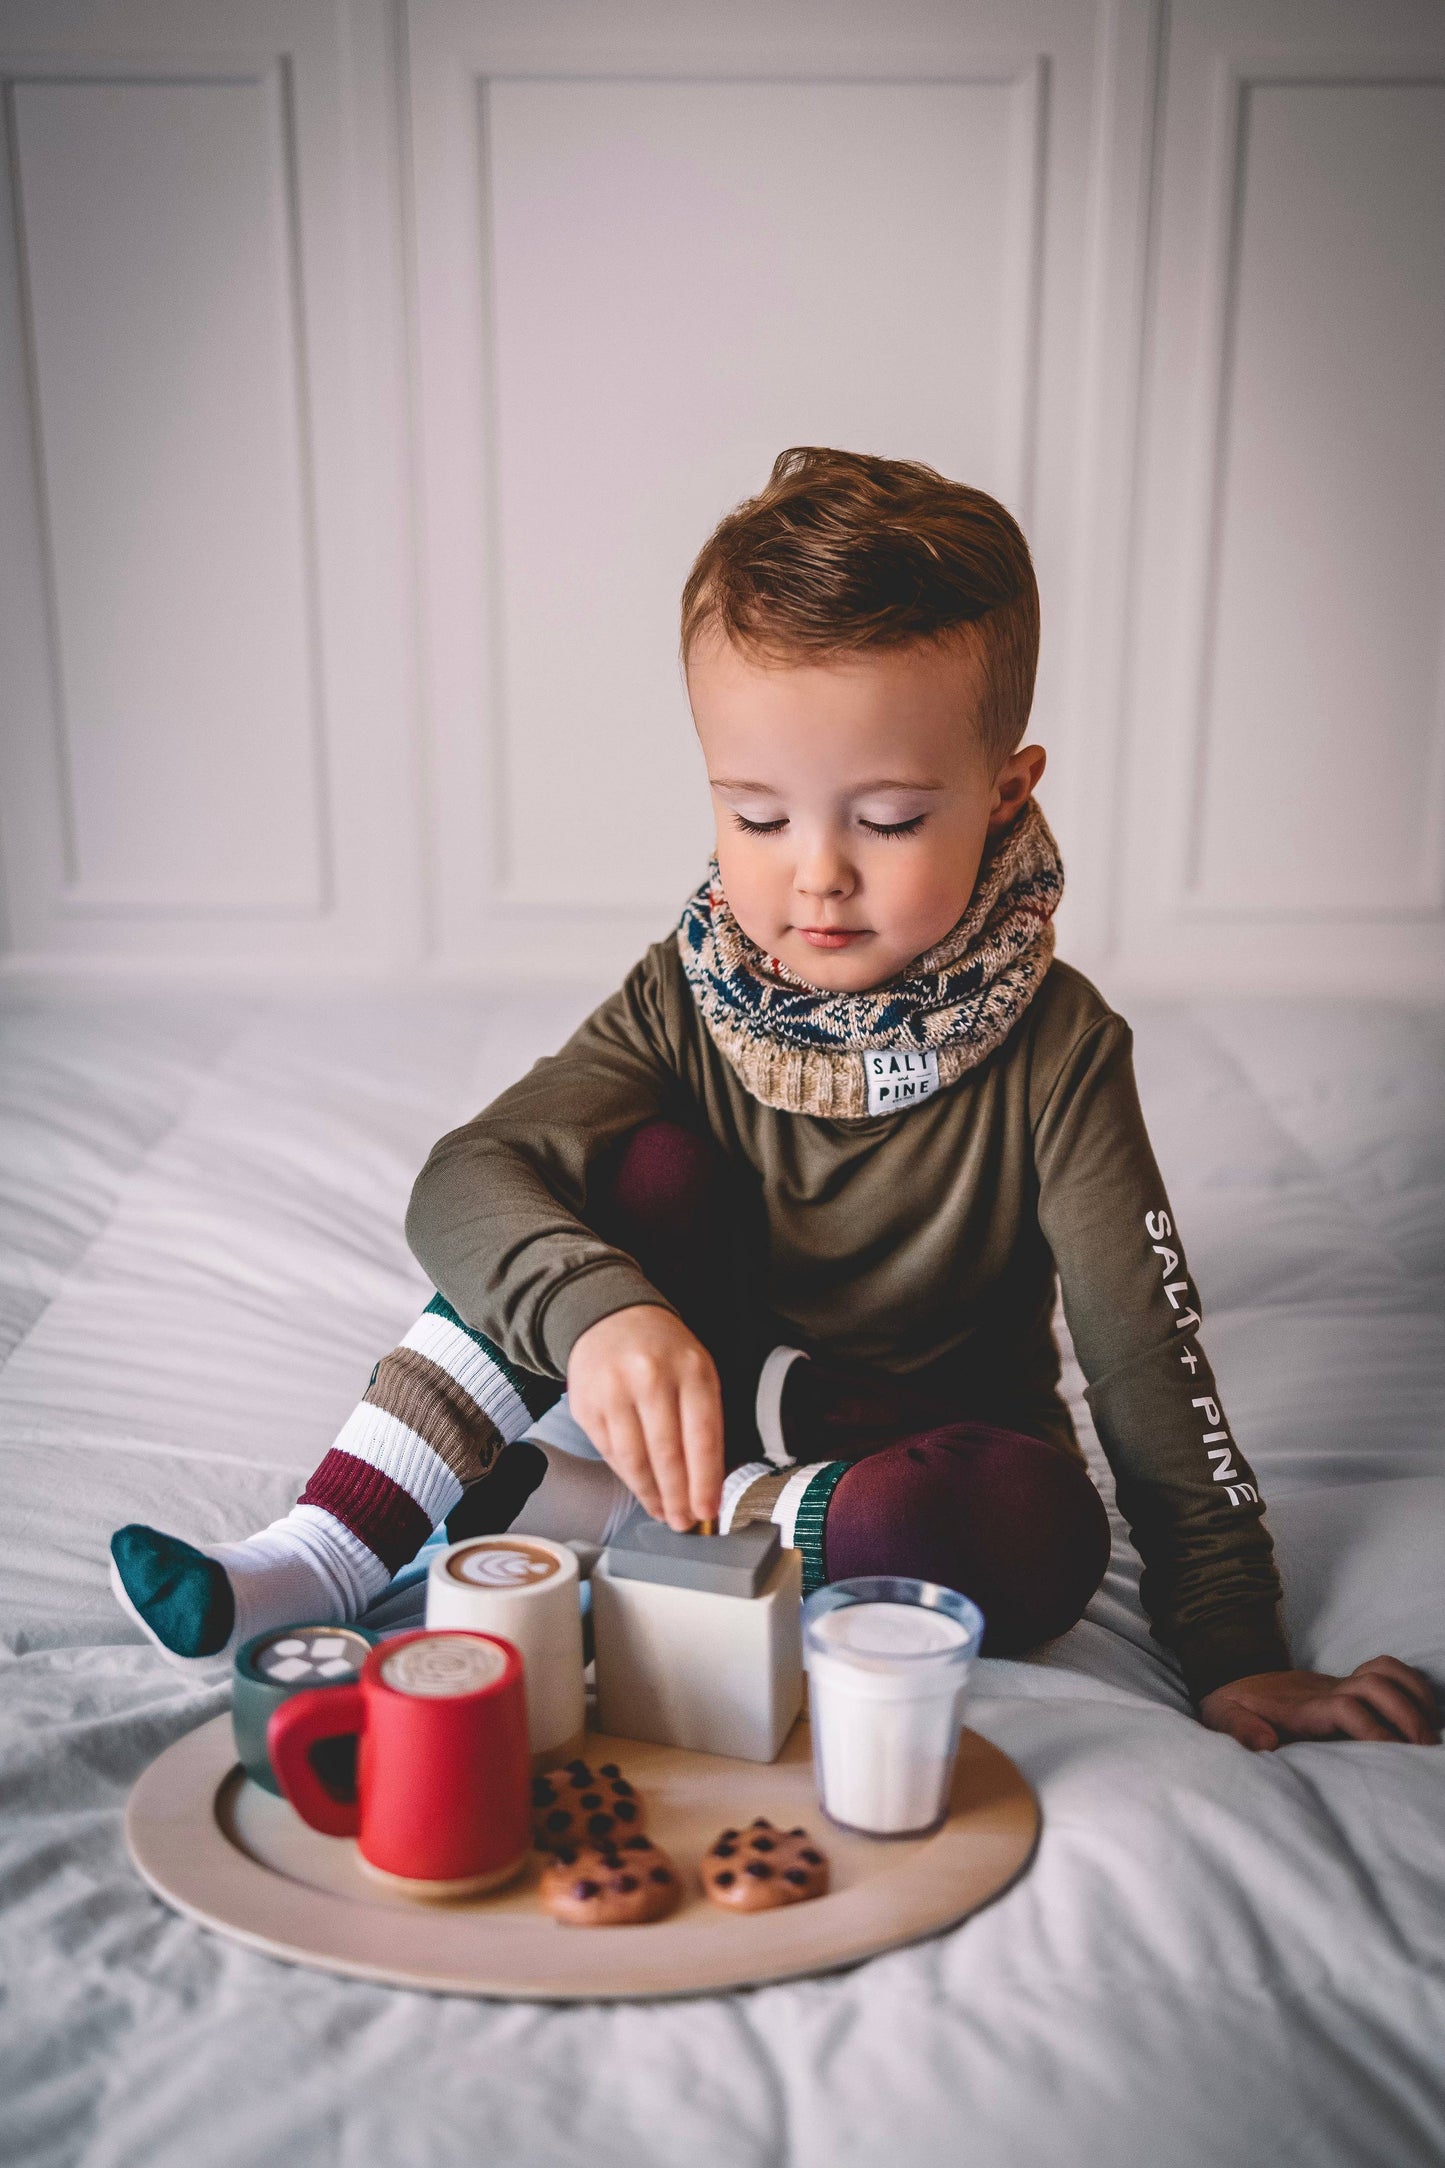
(290,1660)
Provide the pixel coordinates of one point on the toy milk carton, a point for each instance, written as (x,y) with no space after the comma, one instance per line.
(699,1640)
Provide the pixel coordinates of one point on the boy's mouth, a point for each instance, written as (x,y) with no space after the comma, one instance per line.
(832,937)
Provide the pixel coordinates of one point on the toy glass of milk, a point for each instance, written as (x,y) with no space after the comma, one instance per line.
(888,1660)
(698,1639)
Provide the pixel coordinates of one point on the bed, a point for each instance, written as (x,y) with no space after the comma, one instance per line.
(1216,1957)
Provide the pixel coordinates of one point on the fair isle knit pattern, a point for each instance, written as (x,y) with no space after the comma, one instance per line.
(799,1049)
(438,1411)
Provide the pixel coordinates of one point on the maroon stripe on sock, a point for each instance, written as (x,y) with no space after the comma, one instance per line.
(385,1517)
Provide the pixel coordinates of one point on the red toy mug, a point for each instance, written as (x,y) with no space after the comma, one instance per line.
(443,1778)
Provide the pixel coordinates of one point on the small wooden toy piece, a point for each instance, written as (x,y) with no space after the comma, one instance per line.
(580,1805)
(610,1885)
(760,1867)
(698,1641)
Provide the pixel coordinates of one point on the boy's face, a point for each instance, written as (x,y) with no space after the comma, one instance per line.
(853,801)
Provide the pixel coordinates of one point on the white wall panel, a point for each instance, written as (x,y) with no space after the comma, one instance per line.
(1320,726)
(687,276)
(1285,782)
(208,752)
(700,236)
(158,263)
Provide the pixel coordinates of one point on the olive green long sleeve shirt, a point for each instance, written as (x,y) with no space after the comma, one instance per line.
(926,1241)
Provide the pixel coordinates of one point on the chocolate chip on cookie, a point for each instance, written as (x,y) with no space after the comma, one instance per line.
(577,1805)
(610,1885)
(757,1868)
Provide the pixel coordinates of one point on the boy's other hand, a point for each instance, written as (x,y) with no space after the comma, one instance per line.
(646,1392)
(1381,1699)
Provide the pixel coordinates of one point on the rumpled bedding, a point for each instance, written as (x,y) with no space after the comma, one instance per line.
(1216,1957)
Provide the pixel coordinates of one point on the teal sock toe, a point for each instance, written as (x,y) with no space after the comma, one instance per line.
(183,1596)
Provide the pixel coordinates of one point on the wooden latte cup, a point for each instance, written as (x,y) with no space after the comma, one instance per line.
(528,1591)
(443,1774)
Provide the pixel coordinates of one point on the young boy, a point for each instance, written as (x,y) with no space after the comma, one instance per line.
(787,1213)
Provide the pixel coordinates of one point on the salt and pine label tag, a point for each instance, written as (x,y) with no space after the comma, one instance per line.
(896,1081)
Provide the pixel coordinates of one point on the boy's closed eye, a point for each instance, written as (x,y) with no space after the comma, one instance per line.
(873,828)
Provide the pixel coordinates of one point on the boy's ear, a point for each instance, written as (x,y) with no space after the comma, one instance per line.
(1014,785)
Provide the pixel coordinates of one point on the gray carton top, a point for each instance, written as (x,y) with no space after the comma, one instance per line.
(732,1565)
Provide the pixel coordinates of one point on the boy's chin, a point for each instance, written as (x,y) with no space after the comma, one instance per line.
(839,971)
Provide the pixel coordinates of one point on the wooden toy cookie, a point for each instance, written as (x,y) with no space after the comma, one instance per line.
(610,1885)
(754,1869)
(578,1805)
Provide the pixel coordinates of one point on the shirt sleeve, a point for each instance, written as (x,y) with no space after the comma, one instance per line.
(496,1213)
(1188,1494)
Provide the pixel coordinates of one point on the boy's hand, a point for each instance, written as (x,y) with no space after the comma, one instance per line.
(1381,1699)
(646,1393)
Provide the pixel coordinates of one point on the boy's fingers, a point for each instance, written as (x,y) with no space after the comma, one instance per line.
(1356,1719)
(662,1430)
(1253,1731)
(1238,1721)
(1390,1702)
(1408,1679)
(702,1439)
(625,1450)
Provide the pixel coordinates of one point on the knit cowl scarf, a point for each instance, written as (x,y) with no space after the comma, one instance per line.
(849,1056)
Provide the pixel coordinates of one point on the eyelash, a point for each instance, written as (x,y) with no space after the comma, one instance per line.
(894,828)
(874,828)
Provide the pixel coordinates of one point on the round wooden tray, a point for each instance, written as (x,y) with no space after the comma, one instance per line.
(225,1853)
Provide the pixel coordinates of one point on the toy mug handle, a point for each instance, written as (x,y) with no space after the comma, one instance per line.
(295,1728)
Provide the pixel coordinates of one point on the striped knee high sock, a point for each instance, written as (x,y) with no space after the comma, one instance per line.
(436,1414)
(439,1410)
(794,1496)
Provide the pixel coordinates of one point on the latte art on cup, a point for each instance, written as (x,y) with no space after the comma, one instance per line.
(502,1565)
(441,1669)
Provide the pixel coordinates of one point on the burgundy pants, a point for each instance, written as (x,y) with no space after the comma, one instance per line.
(1011,1521)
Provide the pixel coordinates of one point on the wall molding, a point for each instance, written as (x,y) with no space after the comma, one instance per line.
(1238,84)
(1059,59)
(76,896)
(1121,172)
(334,400)
(517,914)
(1191,906)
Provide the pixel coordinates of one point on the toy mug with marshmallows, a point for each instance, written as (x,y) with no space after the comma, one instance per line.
(272,1667)
(443,1779)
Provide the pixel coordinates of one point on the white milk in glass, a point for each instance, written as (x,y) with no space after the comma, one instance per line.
(886,1684)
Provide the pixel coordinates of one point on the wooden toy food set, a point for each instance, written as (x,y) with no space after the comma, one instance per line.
(429,1811)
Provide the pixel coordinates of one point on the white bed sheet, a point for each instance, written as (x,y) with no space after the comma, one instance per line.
(1216,1957)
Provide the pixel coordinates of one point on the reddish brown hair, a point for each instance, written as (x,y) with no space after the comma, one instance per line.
(842,551)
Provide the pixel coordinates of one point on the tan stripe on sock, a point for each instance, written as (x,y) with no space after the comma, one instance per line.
(419,1393)
(758,1500)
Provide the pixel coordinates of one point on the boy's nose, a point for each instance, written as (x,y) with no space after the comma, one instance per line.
(824,872)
